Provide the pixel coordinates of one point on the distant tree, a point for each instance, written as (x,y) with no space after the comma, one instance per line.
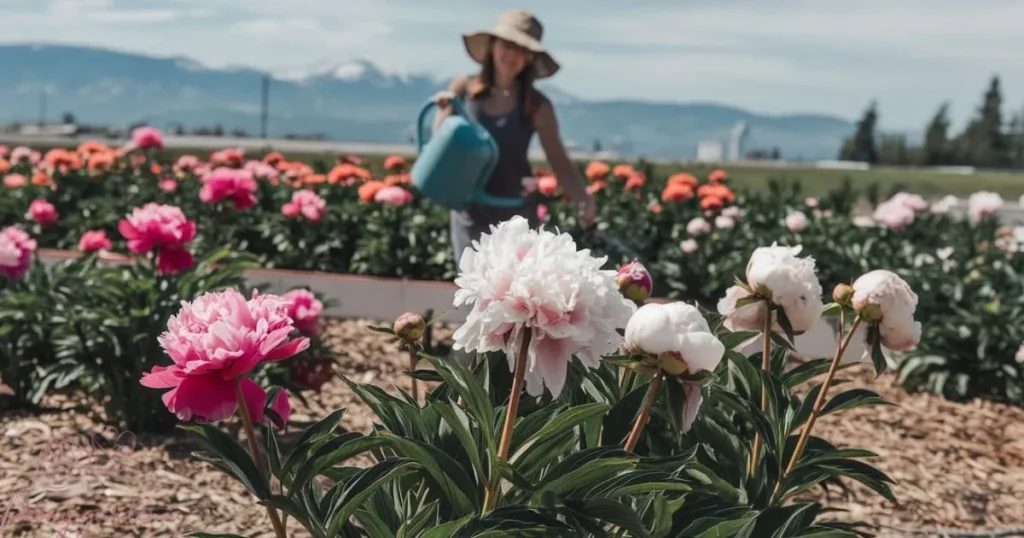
(1016,140)
(776,153)
(983,142)
(239,133)
(217,130)
(67,118)
(893,150)
(597,145)
(178,130)
(937,150)
(861,146)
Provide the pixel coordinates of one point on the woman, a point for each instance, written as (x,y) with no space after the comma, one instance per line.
(501,97)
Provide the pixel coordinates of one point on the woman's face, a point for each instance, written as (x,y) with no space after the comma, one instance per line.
(509,58)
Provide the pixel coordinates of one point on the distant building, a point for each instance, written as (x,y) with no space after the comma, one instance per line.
(709,150)
(737,138)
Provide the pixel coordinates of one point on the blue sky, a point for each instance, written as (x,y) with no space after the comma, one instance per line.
(778,56)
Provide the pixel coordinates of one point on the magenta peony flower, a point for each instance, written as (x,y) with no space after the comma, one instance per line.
(229,184)
(635,282)
(304,309)
(43,212)
(147,138)
(216,341)
(16,248)
(393,195)
(307,203)
(94,240)
(156,226)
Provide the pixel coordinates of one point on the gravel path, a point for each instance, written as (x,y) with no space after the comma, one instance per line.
(958,466)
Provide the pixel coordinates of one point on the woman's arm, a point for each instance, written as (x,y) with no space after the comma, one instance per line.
(568,177)
(458,89)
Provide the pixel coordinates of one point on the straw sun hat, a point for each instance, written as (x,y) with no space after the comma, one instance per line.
(519,27)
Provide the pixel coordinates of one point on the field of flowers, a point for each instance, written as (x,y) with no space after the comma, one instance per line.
(639,420)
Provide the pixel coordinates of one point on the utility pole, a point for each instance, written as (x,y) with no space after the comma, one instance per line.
(42,108)
(264,108)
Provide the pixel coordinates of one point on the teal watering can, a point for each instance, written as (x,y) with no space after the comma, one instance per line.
(454,164)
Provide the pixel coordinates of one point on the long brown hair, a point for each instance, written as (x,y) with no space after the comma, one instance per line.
(529,97)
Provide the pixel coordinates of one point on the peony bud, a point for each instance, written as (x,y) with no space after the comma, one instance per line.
(677,335)
(410,327)
(842,294)
(672,363)
(882,297)
(635,282)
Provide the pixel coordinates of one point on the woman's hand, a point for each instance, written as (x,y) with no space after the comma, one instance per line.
(443,99)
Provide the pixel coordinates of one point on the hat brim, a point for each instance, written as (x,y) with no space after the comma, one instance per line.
(478,43)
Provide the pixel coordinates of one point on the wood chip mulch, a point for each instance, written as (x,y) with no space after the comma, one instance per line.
(64,473)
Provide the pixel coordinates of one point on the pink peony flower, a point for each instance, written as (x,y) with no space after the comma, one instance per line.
(94,240)
(22,154)
(548,185)
(982,204)
(262,170)
(393,195)
(16,248)
(167,185)
(229,184)
(698,226)
(304,309)
(688,246)
(43,212)
(913,202)
(542,212)
(147,138)
(228,157)
(187,163)
(215,342)
(4,150)
(635,282)
(307,203)
(156,226)
(15,181)
(894,214)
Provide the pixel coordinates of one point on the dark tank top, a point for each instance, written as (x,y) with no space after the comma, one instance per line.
(512,132)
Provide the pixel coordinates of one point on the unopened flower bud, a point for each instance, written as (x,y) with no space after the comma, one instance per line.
(635,282)
(843,294)
(870,313)
(672,363)
(410,327)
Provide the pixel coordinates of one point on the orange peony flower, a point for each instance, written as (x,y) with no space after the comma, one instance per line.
(155,168)
(42,179)
(682,178)
(100,160)
(4,166)
(273,158)
(90,147)
(62,159)
(676,192)
(636,181)
(369,190)
(623,171)
(717,176)
(711,203)
(596,186)
(398,179)
(597,170)
(395,163)
(347,173)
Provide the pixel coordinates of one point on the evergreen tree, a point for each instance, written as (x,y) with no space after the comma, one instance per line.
(936,150)
(861,147)
(983,142)
(1016,140)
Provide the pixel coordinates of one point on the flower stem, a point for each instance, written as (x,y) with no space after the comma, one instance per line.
(766,365)
(645,412)
(819,402)
(413,359)
(254,448)
(511,412)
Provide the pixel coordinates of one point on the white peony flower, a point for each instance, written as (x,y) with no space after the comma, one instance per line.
(945,205)
(796,221)
(749,317)
(881,297)
(517,278)
(982,204)
(863,221)
(677,329)
(913,202)
(777,273)
(894,214)
(724,223)
(698,226)
(688,246)
(1019,357)
(733,212)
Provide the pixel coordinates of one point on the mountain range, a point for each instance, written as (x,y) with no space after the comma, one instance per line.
(356,102)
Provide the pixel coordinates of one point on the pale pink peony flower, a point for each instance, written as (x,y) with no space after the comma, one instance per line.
(147,138)
(733,212)
(910,201)
(393,195)
(1019,356)
(229,184)
(748,317)
(982,204)
(698,226)
(724,223)
(945,205)
(163,228)
(22,154)
(94,240)
(15,181)
(894,215)
(547,185)
(167,185)
(688,246)
(796,222)
(43,212)
(529,185)
(262,170)
(214,342)
(16,248)
(789,282)
(517,278)
(304,309)
(881,297)
(187,163)
(306,203)
(4,150)
(635,282)
(811,202)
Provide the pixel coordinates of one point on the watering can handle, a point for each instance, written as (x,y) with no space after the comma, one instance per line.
(421,137)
